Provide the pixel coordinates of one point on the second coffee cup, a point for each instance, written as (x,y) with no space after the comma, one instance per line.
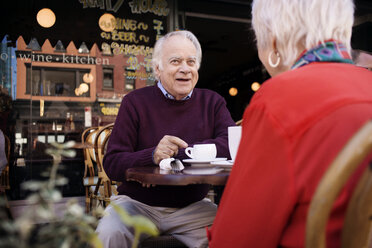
(202,152)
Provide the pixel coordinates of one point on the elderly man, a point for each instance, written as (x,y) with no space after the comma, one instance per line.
(159,122)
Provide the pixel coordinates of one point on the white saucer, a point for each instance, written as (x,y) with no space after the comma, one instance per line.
(194,161)
(202,171)
(223,164)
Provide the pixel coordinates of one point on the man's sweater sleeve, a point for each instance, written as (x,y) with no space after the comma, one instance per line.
(121,153)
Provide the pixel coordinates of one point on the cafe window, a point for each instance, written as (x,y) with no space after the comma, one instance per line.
(34,45)
(48,81)
(83,48)
(150,79)
(108,78)
(130,82)
(60,47)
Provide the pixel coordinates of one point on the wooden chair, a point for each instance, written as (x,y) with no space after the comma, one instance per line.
(90,174)
(104,187)
(357,225)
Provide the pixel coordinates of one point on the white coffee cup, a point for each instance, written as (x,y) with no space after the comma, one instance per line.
(234,134)
(202,152)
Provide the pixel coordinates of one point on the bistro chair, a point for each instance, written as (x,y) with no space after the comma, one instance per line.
(90,178)
(104,187)
(358,219)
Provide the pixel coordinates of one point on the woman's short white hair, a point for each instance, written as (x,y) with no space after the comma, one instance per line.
(158,49)
(301,22)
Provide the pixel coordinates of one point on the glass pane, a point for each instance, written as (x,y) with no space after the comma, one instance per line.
(130,83)
(56,82)
(107,78)
(61,83)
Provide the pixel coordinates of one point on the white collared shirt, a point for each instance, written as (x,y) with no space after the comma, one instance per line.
(169,96)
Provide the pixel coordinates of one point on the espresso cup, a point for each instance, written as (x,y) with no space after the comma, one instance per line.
(202,152)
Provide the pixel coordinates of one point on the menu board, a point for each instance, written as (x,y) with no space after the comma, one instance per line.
(130,29)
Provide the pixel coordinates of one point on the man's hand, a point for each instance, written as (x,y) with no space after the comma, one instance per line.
(168,147)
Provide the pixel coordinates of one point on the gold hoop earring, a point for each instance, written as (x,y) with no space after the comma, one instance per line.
(271,62)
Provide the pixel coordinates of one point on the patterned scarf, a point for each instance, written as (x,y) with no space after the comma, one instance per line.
(329,51)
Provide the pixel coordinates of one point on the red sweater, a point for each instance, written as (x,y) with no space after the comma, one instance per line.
(292,130)
(145,116)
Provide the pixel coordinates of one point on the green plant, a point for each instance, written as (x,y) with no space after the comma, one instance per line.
(74,229)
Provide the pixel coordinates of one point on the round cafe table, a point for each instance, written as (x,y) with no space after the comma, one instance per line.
(153,175)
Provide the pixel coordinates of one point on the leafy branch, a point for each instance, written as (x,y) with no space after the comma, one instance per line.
(74,229)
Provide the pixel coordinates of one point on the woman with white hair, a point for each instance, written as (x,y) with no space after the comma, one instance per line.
(295,124)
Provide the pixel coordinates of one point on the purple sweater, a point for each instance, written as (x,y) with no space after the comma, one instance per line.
(145,116)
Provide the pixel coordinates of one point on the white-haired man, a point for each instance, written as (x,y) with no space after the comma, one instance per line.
(159,122)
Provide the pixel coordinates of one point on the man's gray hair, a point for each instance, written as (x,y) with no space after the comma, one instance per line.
(158,49)
(301,22)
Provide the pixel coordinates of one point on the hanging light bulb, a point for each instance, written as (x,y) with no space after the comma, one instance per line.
(88,78)
(107,22)
(78,92)
(84,88)
(255,86)
(233,91)
(46,18)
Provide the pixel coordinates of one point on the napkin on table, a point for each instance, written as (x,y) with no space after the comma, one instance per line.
(165,164)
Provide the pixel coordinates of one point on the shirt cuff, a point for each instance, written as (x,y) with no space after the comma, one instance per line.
(153,151)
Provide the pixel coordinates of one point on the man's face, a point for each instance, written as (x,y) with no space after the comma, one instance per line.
(179,72)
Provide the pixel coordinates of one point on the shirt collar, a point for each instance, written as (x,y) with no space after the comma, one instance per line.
(169,96)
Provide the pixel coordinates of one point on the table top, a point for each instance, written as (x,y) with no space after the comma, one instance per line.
(153,175)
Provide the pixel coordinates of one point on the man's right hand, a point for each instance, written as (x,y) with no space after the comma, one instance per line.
(168,147)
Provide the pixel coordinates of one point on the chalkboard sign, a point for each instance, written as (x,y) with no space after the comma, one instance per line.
(131,28)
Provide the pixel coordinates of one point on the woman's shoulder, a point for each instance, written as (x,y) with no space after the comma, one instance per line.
(312,91)
(311,80)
